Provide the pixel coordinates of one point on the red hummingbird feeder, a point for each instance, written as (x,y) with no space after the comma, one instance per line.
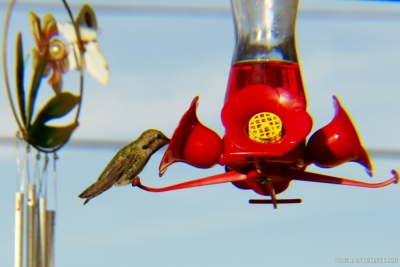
(265,117)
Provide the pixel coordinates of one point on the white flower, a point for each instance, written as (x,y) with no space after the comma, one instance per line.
(93,59)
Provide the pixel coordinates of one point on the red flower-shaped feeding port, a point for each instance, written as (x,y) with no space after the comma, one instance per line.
(192,143)
(288,109)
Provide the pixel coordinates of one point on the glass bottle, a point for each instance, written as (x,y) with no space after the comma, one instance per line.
(265,50)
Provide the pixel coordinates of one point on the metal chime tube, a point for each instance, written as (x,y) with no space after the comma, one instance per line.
(43,231)
(34,231)
(50,224)
(37,236)
(51,217)
(30,230)
(19,230)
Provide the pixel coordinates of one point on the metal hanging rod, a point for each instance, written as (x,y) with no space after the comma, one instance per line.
(116,144)
(364,13)
(127,9)
(78,143)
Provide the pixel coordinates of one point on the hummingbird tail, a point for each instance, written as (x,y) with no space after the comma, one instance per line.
(87,200)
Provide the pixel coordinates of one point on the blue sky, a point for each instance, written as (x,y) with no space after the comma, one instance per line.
(157,66)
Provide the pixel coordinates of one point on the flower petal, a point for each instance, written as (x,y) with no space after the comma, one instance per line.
(68,32)
(34,25)
(96,63)
(49,26)
(47,69)
(35,58)
(55,79)
(64,64)
(73,57)
(86,17)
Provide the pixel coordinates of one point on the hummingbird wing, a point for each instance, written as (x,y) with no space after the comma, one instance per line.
(113,175)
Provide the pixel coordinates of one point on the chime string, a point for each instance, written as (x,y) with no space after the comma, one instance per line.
(25,170)
(36,173)
(55,158)
(18,163)
(23,176)
(42,183)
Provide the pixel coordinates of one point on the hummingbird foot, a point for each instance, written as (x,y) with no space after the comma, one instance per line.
(135,181)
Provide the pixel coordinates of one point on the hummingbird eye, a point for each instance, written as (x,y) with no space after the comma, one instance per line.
(145,147)
(158,136)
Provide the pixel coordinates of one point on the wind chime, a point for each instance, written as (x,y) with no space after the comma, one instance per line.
(51,59)
(265,117)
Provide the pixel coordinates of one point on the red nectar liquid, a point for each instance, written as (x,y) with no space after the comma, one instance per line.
(271,73)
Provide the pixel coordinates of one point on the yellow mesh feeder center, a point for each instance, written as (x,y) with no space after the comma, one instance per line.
(265,127)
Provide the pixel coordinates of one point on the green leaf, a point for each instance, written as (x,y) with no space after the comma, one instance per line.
(20,78)
(49,137)
(57,107)
(37,77)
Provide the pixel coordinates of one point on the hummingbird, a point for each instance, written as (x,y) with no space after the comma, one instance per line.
(127,163)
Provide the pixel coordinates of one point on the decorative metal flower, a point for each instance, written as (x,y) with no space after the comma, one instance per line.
(49,46)
(50,58)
